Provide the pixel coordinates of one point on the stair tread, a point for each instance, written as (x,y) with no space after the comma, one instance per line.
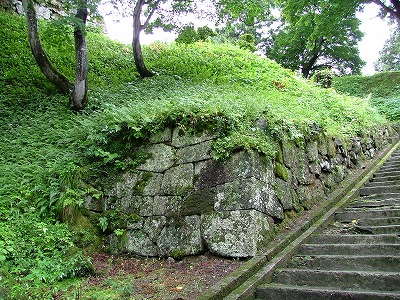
(274,284)
(327,289)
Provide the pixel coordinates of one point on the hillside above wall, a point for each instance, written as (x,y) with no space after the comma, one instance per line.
(53,161)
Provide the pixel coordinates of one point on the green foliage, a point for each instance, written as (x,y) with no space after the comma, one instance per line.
(37,252)
(390,107)
(247,41)
(189,34)
(317,35)
(205,32)
(380,85)
(383,90)
(52,159)
(243,17)
(109,62)
(324,77)
(389,56)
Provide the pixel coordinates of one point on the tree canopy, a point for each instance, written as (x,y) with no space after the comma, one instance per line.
(389,8)
(316,35)
(389,56)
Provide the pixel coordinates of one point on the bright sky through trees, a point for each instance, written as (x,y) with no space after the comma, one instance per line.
(376,31)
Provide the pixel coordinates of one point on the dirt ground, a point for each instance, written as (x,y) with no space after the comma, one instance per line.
(119,277)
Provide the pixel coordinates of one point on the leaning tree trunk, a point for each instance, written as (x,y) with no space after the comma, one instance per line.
(58,79)
(78,98)
(137,48)
(306,69)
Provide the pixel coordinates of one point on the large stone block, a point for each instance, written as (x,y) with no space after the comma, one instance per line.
(181,139)
(241,165)
(249,193)
(194,153)
(235,233)
(312,151)
(162,157)
(161,137)
(301,169)
(181,237)
(178,180)
(139,243)
(289,152)
(309,195)
(285,192)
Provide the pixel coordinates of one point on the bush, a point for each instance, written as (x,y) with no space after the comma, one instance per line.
(187,35)
(247,41)
(324,78)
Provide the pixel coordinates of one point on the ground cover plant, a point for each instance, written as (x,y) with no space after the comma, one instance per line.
(382,89)
(51,157)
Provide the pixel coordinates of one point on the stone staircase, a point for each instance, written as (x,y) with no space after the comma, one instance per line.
(357,256)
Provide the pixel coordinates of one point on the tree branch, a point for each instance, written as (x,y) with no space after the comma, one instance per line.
(390,11)
(136,15)
(151,14)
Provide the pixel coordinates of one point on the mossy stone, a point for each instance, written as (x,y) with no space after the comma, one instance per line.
(281,171)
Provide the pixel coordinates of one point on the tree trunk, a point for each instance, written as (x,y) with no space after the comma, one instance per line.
(137,48)
(305,70)
(55,77)
(78,98)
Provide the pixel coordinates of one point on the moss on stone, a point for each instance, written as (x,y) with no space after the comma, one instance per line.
(86,235)
(281,171)
(279,155)
(199,202)
(142,183)
(178,253)
(117,219)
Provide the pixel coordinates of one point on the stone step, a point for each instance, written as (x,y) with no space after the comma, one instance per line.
(349,249)
(388,229)
(363,203)
(394,160)
(347,262)
(377,281)
(350,214)
(385,178)
(380,189)
(390,167)
(383,196)
(387,173)
(382,183)
(285,292)
(379,221)
(354,239)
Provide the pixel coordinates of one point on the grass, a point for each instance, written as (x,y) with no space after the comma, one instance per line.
(383,90)
(52,158)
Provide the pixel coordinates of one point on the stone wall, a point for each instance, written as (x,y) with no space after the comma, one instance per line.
(42,11)
(182,202)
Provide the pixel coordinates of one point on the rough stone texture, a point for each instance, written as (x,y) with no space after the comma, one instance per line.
(235,233)
(162,157)
(178,180)
(42,11)
(181,140)
(248,194)
(181,237)
(194,153)
(187,203)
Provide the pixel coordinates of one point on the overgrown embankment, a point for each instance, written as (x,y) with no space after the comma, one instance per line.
(383,90)
(51,158)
